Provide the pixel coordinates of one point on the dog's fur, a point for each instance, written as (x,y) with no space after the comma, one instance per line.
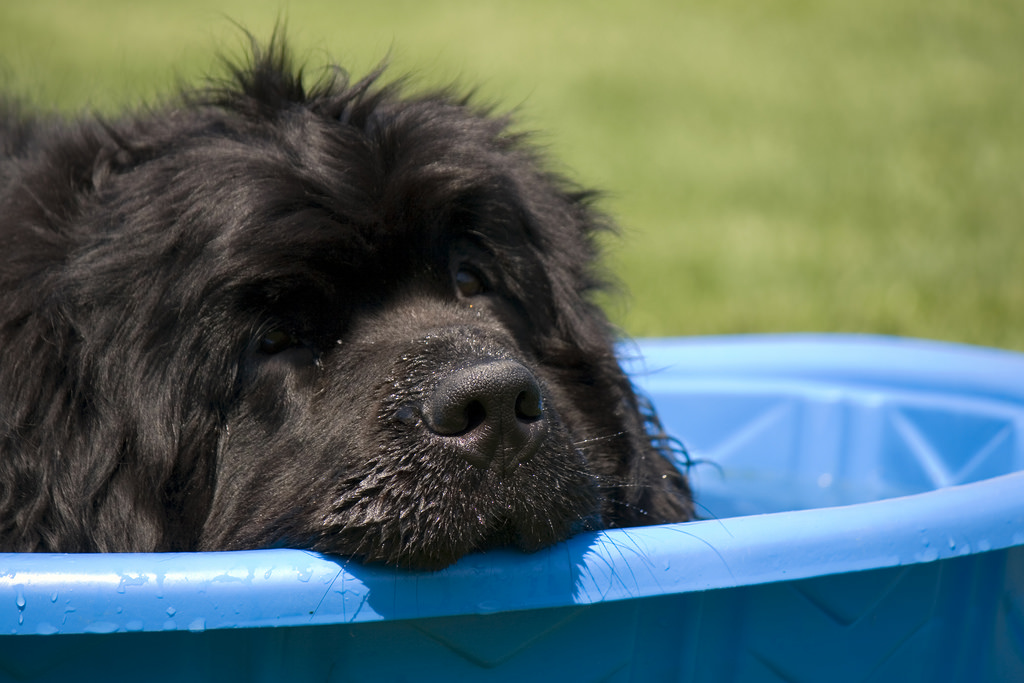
(268,314)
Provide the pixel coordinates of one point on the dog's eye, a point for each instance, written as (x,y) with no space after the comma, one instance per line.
(276,341)
(469,282)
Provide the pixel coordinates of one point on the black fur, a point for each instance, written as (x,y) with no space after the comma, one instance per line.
(229,322)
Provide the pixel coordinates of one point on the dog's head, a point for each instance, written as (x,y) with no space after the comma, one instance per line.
(335,318)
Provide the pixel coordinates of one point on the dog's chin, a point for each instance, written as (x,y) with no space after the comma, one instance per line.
(432,509)
(506,536)
(427,555)
(528,509)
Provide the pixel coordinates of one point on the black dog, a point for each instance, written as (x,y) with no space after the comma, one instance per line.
(332,318)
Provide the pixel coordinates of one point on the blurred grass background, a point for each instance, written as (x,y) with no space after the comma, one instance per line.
(777,166)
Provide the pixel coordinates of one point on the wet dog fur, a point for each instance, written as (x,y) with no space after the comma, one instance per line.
(333,316)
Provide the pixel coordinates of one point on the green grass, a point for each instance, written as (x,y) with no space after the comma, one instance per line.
(781,166)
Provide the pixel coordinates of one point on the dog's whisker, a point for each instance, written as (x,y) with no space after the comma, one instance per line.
(599,439)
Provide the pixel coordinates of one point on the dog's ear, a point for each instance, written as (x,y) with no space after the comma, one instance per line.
(79,468)
(88,463)
(646,482)
(61,454)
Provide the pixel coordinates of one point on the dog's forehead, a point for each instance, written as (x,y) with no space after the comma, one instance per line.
(309,178)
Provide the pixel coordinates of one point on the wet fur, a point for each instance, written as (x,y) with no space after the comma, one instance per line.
(147,258)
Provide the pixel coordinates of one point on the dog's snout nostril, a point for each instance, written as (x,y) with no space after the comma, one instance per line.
(495,408)
(452,417)
(529,406)
(475,414)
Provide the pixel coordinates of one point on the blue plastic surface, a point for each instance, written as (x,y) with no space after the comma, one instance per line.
(865,504)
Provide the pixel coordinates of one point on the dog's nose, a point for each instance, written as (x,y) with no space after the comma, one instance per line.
(492,411)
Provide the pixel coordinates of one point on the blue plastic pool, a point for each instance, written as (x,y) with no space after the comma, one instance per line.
(864,503)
